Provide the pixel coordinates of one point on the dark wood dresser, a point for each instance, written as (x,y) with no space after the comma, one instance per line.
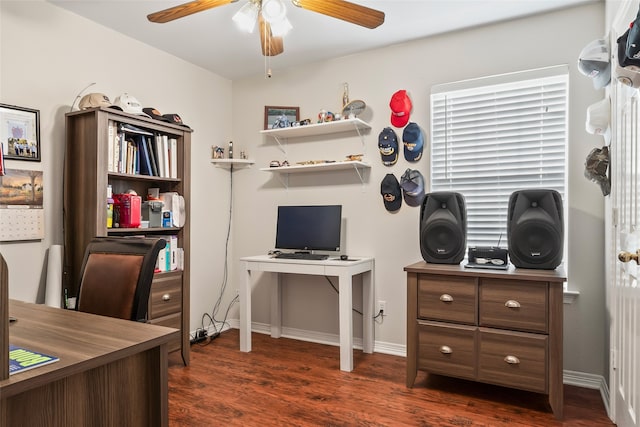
(501,327)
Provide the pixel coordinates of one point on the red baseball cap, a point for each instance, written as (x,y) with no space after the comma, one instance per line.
(400,108)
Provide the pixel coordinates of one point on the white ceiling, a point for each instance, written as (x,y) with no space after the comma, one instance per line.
(211,40)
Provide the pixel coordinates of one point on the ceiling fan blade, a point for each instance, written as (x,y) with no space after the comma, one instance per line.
(271,45)
(347,11)
(185,9)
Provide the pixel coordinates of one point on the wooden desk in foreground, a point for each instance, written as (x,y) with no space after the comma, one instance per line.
(111,372)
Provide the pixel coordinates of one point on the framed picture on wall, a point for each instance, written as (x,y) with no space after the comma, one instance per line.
(20,133)
(280,117)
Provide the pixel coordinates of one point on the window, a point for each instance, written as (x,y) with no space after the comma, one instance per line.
(495,135)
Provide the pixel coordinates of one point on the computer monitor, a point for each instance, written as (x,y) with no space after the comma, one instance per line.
(309,228)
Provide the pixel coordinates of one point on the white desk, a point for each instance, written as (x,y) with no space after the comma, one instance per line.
(344,270)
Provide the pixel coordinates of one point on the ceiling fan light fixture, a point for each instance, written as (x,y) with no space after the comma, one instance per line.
(274,11)
(247,16)
(281,28)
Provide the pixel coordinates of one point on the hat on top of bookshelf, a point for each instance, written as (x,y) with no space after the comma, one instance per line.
(129,104)
(155,114)
(92,100)
(175,119)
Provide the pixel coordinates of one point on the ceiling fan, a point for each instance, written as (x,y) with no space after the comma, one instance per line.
(271,19)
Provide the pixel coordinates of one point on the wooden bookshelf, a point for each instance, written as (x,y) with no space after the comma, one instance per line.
(88,172)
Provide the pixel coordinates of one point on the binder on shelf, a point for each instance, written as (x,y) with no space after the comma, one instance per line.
(145,162)
(110,145)
(152,157)
(165,156)
(159,155)
(173,161)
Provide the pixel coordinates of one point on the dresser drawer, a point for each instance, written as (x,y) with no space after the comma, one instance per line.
(166,295)
(447,349)
(511,304)
(447,298)
(513,359)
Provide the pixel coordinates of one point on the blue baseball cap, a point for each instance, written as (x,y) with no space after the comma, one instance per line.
(388,146)
(412,183)
(413,142)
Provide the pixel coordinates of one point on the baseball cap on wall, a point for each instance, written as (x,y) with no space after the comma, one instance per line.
(412,183)
(594,62)
(92,100)
(595,168)
(413,141)
(129,104)
(388,146)
(391,193)
(599,117)
(627,71)
(400,105)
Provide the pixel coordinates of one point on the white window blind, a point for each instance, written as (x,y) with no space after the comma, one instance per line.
(493,136)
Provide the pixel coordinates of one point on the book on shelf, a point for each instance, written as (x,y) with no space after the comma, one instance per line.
(169,257)
(22,359)
(173,157)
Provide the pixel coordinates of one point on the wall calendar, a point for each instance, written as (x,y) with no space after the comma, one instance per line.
(21,207)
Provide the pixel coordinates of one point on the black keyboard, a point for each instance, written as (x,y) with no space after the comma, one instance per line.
(304,256)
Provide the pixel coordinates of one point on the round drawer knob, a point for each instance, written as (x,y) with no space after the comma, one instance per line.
(166,297)
(446,298)
(512,304)
(445,349)
(512,360)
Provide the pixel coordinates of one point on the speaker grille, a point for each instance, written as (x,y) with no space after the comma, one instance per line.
(443,228)
(535,229)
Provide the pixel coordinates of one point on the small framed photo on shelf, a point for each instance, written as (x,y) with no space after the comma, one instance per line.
(20,133)
(280,117)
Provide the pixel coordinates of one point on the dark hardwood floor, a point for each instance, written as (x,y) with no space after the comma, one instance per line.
(285,382)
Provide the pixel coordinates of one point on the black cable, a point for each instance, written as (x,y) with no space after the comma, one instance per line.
(213,322)
(338,292)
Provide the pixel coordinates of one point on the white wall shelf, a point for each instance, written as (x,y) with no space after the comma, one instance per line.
(346,125)
(357,166)
(319,167)
(336,126)
(227,163)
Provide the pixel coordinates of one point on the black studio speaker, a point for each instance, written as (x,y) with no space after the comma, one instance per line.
(443,228)
(535,229)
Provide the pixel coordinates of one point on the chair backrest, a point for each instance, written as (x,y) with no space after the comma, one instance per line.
(116,276)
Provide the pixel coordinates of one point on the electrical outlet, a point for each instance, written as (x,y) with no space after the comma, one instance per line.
(382,307)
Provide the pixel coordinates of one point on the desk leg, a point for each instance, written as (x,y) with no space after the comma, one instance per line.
(245,309)
(346,322)
(276,307)
(367,311)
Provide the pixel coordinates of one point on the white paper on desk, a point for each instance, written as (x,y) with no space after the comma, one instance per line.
(53,290)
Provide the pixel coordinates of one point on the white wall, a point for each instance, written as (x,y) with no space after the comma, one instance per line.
(48,56)
(311,304)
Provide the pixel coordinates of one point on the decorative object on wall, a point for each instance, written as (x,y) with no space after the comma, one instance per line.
(279,116)
(20,132)
(21,212)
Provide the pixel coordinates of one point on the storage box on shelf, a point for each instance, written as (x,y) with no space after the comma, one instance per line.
(501,327)
(94,160)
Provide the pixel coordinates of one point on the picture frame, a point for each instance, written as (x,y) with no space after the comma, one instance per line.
(20,133)
(272,113)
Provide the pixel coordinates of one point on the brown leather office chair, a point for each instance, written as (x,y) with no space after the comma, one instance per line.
(116,276)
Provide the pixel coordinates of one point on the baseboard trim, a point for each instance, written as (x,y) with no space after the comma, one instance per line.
(574,378)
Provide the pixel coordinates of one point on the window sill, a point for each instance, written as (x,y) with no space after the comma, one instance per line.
(570,296)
